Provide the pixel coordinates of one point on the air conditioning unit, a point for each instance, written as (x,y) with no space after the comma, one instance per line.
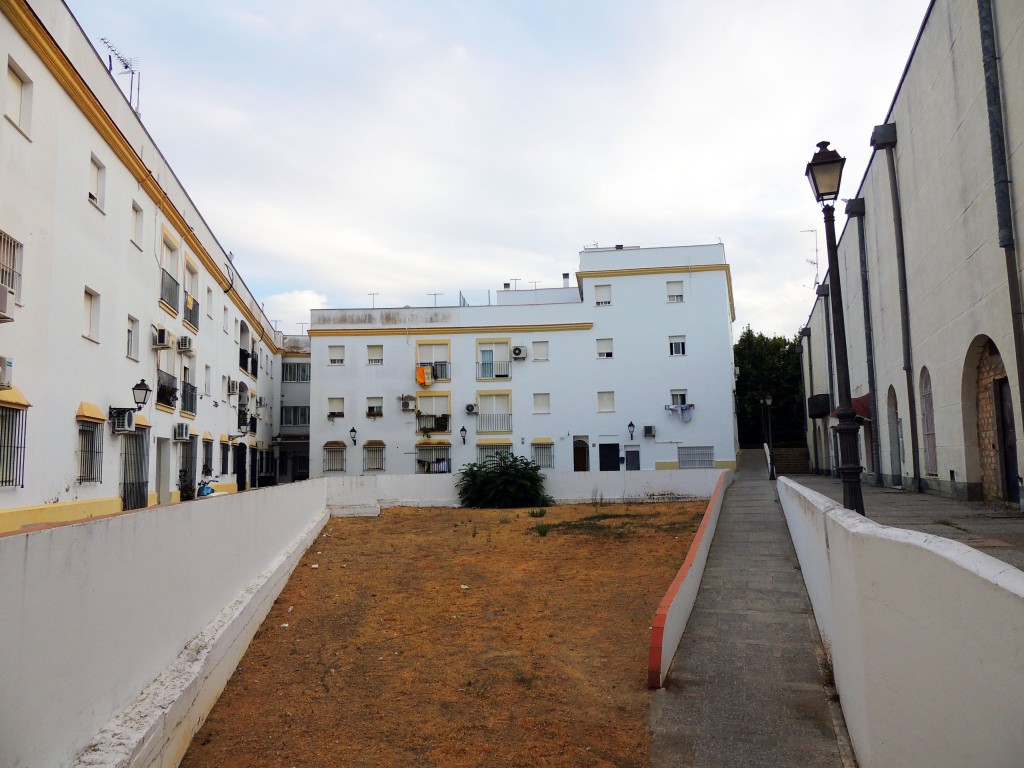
(6,373)
(471,408)
(407,405)
(181,432)
(162,339)
(518,353)
(185,345)
(648,431)
(5,316)
(232,387)
(123,422)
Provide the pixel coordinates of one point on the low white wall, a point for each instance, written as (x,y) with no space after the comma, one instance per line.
(94,612)
(926,637)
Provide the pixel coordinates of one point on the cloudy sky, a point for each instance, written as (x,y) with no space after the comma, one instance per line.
(408,147)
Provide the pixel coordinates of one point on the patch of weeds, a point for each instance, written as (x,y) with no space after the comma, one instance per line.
(473,534)
(538,512)
(523,678)
(503,520)
(951,524)
(542,528)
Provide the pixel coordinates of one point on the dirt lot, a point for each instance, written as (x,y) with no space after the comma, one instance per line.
(458,637)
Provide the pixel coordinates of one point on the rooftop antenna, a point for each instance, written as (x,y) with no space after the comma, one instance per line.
(815,262)
(130,66)
(515,282)
(435,295)
(534,283)
(373,299)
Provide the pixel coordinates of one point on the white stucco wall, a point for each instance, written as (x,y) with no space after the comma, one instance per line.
(926,637)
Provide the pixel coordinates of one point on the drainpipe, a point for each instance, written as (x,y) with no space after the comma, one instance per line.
(855,209)
(805,333)
(1001,182)
(823,292)
(884,137)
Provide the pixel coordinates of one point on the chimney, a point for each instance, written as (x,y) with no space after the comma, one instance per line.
(565,280)
(506,286)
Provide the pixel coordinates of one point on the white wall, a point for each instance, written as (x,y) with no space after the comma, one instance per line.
(926,637)
(94,612)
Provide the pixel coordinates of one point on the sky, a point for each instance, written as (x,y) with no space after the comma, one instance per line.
(343,148)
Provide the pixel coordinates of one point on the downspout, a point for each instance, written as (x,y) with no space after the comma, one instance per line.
(823,291)
(1001,182)
(884,137)
(855,208)
(805,333)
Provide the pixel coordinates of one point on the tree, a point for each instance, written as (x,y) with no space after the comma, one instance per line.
(504,480)
(768,366)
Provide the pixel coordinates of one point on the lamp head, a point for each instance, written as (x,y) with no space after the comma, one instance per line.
(825,172)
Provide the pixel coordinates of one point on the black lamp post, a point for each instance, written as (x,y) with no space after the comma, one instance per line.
(767,400)
(631,427)
(462,432)
(824,172)
(352,434)
(140,393)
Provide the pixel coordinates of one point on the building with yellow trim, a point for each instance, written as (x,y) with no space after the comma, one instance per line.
(627,367)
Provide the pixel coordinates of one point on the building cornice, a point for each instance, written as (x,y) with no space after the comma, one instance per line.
(428,331)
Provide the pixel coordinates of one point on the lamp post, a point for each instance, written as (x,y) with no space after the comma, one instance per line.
(352,433)
(767,400)
(824,172)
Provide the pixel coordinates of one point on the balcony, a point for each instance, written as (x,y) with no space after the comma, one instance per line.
(191,310)
(440,369)
(189,397)
(166,389)
(497,369)
(427,423)
(169,290)
(494,422)
(243,419)
(254,366)
(252,424)
(243,359)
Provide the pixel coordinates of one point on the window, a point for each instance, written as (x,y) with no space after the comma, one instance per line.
(208,456)
(236,330)
(91,315)
(10,265)
(542,402)
(373,457)
(169,276)
(675,291)
(540,350)
(19,97)
(485,452)
(97,182)
(678,396)
(493,362)
(374,407)
(207,376)
(209,302)
(90,452)
(295,372)
(12,446)
(602,295)
(604,347)
(436,356)
(137,224)
(432,414)
(544,455)
(335,407)
(495,412)
(676,345)
(605,402)
(226,321)
(132,347)
(632,457)
(334,457)
(696,456)
(433,459)
(295,416)
(931,463)
(375,354)
(336,355)
(224,388)
(225,454)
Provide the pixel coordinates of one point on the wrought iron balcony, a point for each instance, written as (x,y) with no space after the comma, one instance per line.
(426,422)
(243,418)
(166,388)
(169,290)
(191,310)
(441,371)
(254,366)
(497,369)
(188,397)
(494,422)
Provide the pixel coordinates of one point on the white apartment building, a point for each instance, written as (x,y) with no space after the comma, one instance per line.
(935,367)
(629,367)
(109,276)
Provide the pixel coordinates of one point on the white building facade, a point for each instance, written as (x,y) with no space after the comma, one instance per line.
(628,368)
(110,277)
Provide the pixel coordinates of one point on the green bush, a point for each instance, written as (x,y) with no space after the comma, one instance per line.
(502,481)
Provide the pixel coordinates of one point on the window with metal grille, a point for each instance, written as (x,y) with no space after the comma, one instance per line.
(334,457)
(373,458)
(695,456)
(544,455)
(931,464)
(677,345)
(90,452)
(675,291)
(604,347)
(225,454)
(335,356)
(12,446)
(10,265)
(375,354)
(187,465)
(433,459)
(135,469)
(678,396)
(495,413)
(602,295)
(208,455)
(436,356)
(484,452)
(295,372)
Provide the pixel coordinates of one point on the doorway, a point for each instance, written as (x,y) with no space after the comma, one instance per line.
(608,457)
(163,470)
(580,454)
(1007,440)
(239,466)
(895,463)
(135,470)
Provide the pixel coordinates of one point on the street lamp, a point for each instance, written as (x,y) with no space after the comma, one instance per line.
(462,432)
(352,433)
(631,427)
(767,400)
(824,172)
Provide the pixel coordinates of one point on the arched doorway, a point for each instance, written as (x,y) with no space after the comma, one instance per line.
(931,460)
(580,455)
(990,434)
(895,439)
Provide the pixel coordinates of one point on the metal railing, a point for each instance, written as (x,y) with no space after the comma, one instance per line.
(243,418)
(497,369)
(169,290)
(166,388)
(494,422)
(254,365)
(433,460)
(440,369)
(10,264)
(426,422)
(189,397)
(191,310)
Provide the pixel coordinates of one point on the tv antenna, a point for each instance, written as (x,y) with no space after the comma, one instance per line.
(815,260)
(435,295)
(130,67)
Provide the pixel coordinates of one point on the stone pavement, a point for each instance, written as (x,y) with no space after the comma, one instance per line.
(747,685)
(995,529)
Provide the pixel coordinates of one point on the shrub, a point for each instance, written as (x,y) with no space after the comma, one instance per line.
(502,481)
(538,512)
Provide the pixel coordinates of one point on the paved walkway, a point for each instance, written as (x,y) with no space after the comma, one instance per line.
(746,685)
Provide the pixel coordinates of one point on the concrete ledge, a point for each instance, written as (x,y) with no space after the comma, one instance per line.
(673,613)
(355,510)
(157,728)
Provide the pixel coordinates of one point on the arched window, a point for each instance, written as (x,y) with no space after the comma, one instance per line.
(931,464)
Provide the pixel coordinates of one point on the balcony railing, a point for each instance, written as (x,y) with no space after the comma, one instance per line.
(440,370)
(188,397)
(166,389)
(243,418)
(494,422)
(252,424)
(497,369)
(191,310)
(168,290)
(426,422)
(243,359)
(254,366)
